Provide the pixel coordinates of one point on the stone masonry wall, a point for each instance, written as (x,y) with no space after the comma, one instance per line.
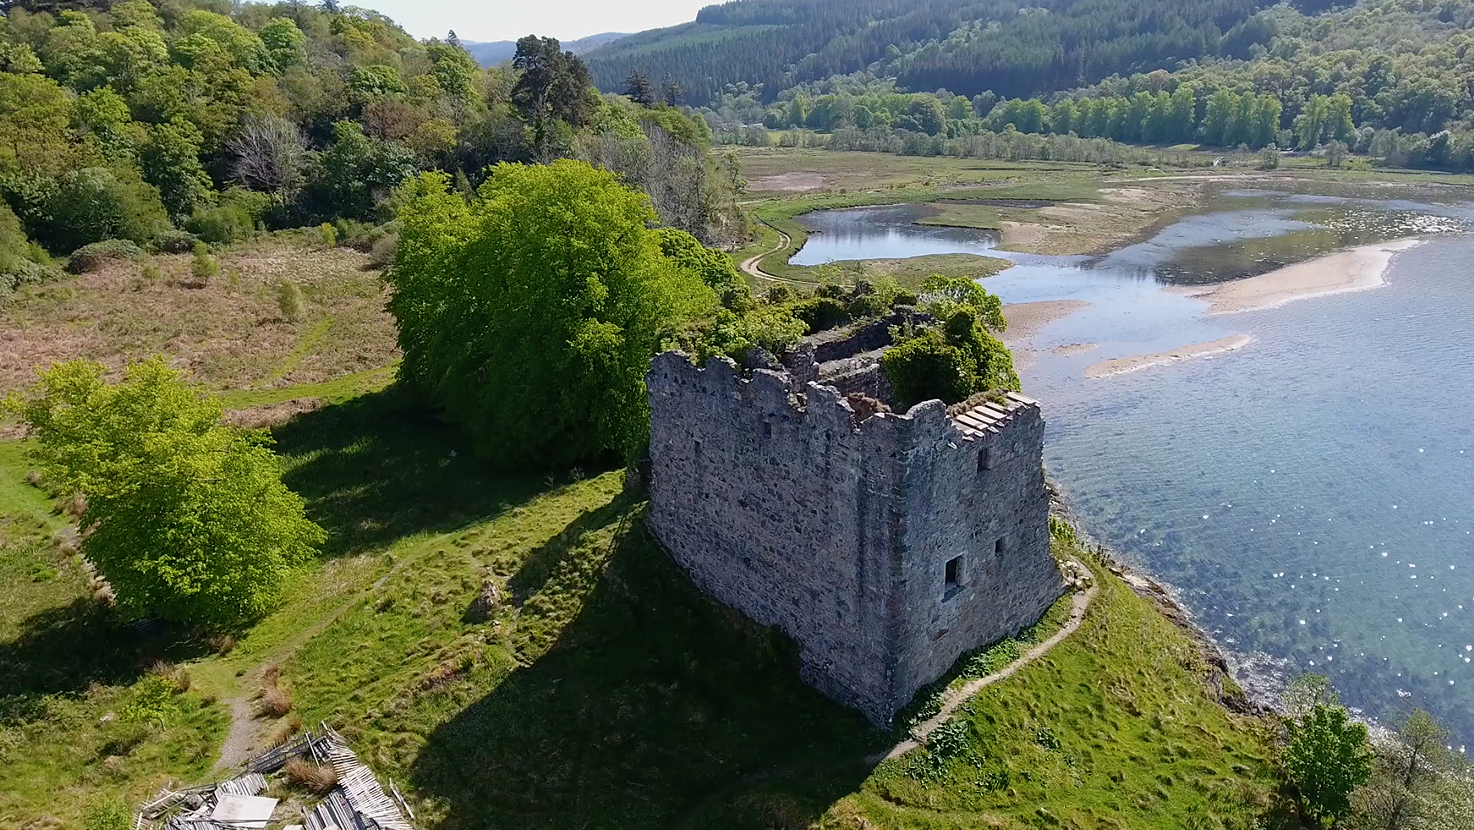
(779,504)
(783,513)
(995,516)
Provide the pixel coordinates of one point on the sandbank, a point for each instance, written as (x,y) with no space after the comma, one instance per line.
(1072,349)
(1024,319)
(1354,269)
(1124,365)
(1022,236)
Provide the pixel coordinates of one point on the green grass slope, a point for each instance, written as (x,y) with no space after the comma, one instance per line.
(604,691)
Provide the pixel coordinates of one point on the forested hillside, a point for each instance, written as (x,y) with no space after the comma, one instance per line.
(136,125)
(1387,78)
(967,46)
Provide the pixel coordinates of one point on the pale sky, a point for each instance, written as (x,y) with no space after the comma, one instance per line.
(511,19)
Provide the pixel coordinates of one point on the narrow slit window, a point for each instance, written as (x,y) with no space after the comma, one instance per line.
(953,577)
(985,459)
(1001,544)
(767,429)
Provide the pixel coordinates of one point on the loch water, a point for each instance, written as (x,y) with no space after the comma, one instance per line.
(1311,495)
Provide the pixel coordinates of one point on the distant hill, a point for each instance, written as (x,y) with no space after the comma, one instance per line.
(968,46)
(491,54)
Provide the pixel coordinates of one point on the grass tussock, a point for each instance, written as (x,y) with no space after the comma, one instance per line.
(271,699)
(318,779)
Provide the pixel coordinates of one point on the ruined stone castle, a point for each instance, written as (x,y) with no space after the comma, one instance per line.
(885,544)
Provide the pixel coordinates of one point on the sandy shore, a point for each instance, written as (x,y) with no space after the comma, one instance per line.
(1354,269)
(1124,365)
(1024,319)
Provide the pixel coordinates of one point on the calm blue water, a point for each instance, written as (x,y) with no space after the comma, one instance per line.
(1310,495)
(883,233)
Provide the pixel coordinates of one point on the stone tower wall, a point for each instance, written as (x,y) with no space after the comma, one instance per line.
(781,505)
(785,514)
(956,506)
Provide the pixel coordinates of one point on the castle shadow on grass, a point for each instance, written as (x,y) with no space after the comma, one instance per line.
(654,707)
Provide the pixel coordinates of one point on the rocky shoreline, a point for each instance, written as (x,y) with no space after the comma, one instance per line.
(1247,684)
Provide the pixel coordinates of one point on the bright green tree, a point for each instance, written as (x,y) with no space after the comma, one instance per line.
(531,314)
(1327,757)
(171,162)
(187,520)
(34,115)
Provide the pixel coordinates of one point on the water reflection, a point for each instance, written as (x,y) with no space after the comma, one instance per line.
(884,233)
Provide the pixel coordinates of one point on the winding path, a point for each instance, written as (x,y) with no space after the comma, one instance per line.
(954,698)
(750,265)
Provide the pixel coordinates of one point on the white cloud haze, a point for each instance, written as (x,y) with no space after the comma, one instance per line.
(511,19)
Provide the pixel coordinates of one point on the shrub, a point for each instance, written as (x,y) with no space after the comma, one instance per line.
(221,224)
(110,815)
(203,266)
(382,254)
(318,779)
(821,313)
(176,676)
(97,203)
(328,234)
(289,299)
(21,262)
(153,700)
(173,242)
(89,258)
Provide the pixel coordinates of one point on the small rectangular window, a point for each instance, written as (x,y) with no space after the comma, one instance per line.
(1001,545)
(767,429)
(953,579)
(985,459)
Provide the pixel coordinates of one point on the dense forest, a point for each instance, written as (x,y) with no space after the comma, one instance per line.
(966,46)
(132,125)
(1387,78)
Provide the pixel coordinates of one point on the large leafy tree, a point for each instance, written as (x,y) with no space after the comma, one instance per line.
(554,89)
(531,314)
(188,520)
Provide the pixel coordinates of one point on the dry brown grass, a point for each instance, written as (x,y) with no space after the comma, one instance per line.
(283,731)
(274,702)
(227,333)
(318,779)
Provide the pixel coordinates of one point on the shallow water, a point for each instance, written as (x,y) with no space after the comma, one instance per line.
(884,233)
(1310,495)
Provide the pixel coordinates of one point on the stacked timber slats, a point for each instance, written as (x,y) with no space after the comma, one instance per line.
(988,417)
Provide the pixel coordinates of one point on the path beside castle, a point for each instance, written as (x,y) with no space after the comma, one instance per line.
(750,265)
(954,698)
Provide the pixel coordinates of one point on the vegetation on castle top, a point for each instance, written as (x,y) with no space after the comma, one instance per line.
(959,356)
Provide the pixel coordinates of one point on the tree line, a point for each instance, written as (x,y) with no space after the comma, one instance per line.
(186,120)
